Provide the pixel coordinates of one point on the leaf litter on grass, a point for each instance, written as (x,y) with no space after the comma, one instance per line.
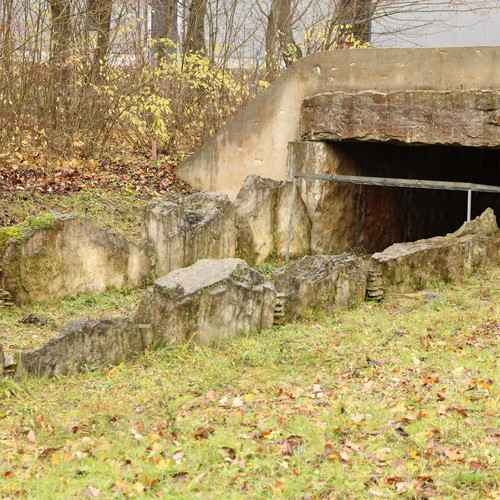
(398,398)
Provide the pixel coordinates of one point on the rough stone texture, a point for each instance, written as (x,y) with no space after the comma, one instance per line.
(262,217)
(255,140)
(83,343)
(466,118)
(346,216)
(332,207)
(210,301)
(184,229)
(75,256)
(320,280)
(405,267)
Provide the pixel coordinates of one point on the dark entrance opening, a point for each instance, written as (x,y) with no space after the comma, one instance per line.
(389,214)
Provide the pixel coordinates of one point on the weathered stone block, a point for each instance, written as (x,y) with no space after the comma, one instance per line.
(332,207)
(74,256)
(211,300)
(468,118)
(83,343)
(263,215)
(320,281)
(405,267)
(183,229)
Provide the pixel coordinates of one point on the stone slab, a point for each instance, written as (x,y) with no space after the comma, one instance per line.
(210,301)
(74,256)
(81,344)
(185,228)
(465,118)
(406,267)
(320,281)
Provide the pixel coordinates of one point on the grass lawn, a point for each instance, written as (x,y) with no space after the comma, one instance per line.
(392,399)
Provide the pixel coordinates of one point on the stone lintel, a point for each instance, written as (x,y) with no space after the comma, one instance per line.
(454,118)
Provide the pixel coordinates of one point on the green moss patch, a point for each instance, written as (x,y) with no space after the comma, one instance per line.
(18,231)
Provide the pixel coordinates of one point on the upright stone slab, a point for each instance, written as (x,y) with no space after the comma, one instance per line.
(263,214)
(183,229)
(212,300)
(405,267)
(74,256)
(83,343)
(320,281)
(332,207)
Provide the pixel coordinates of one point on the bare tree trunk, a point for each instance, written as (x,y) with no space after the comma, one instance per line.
(6,34)
(60,32)
(60,13)
(100,11)
(195,32)
(164,27)
(279,38)
(355,21)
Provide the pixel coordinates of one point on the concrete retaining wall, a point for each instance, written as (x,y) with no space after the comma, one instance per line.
(255,140)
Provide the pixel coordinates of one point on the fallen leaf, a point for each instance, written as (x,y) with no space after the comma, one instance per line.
(178,457)
(181,476)
(227,453)
(48,451)
(292,445)
(223,401)
(477,465)
(136,435)
(393,480)
(203,432)
(31,436)
(328,450)
(454,454)
(92,492)
(401,432)
(237,403)
(493,432)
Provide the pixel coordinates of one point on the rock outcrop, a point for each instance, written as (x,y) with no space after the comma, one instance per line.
(74,256)
(320,281)
(183,229)
(81,344)
(263,215)
(207,302)
(405,267)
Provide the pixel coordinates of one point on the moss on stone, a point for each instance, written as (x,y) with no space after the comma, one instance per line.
(17,232)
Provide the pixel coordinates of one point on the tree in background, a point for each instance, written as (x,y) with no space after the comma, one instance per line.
(79,76)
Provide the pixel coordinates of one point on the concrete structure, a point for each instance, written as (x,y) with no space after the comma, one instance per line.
(255,140)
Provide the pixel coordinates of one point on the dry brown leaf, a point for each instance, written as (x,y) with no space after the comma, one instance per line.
(31,436)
